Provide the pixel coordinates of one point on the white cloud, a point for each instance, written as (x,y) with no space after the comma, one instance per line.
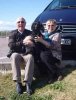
(1,22)
(6,25)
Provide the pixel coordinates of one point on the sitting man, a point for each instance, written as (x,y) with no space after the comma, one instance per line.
(17,54)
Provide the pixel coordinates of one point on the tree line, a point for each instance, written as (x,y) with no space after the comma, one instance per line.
(4,33)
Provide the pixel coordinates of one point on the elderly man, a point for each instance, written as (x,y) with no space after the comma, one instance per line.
(17,54)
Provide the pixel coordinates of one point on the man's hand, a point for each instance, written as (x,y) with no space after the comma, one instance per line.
(28,41)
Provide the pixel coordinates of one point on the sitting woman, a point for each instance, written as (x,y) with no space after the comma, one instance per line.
(52,56)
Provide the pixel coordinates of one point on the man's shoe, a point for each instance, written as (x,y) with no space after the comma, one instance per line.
(19,88)
(28,89)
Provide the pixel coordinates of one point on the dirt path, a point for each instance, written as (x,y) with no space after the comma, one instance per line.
(3,48)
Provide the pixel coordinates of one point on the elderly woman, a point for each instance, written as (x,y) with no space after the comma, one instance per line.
(52,56)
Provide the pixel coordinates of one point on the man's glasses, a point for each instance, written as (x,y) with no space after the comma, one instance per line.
(20,22)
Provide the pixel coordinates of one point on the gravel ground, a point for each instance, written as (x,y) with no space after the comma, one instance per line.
(4,49)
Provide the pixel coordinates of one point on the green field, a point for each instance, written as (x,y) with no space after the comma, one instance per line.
(59,90)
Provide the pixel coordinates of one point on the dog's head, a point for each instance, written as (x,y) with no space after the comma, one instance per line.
(37,28)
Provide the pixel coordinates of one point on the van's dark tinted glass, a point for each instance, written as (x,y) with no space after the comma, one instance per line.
(58,4)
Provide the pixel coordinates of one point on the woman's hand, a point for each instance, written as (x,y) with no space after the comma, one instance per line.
(41,40)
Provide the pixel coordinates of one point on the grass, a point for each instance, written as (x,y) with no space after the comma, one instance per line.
(59,90)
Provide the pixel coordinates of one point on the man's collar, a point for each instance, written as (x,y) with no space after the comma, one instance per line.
(20,32)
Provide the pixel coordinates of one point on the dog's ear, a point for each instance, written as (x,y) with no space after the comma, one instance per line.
(41,27)
(35,26)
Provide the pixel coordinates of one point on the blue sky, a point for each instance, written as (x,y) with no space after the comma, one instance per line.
(11,9)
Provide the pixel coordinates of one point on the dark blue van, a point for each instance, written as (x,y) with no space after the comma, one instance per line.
(64,11)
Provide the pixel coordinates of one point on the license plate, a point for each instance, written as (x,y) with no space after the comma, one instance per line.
(66,41)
